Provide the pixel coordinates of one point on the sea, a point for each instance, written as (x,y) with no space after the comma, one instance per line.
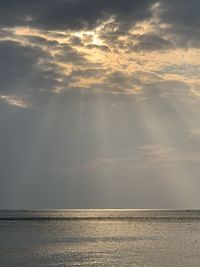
(99,238)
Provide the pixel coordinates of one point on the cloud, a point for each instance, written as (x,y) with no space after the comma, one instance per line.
(144,158)
(151,42)
(156,154)
(182,22)
(70,55)
(41,41)
(13,101)
(119,47)
(78,14)
(25,68)
(169,28)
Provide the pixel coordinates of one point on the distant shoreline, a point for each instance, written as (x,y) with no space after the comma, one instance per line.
(100,215)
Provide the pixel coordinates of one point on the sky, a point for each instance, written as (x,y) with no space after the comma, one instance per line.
(99,104)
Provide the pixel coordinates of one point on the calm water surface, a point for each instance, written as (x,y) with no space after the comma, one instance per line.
(99,238)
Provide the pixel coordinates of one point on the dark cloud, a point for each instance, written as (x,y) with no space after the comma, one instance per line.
(151,42)
(103,48)
(183,19)
(181,13)
(21,70)
(70,55)
(76,41)
(40,41)
(88,73)
(182,16)
(68,14)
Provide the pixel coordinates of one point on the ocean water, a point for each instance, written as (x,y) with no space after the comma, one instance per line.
(99,238)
